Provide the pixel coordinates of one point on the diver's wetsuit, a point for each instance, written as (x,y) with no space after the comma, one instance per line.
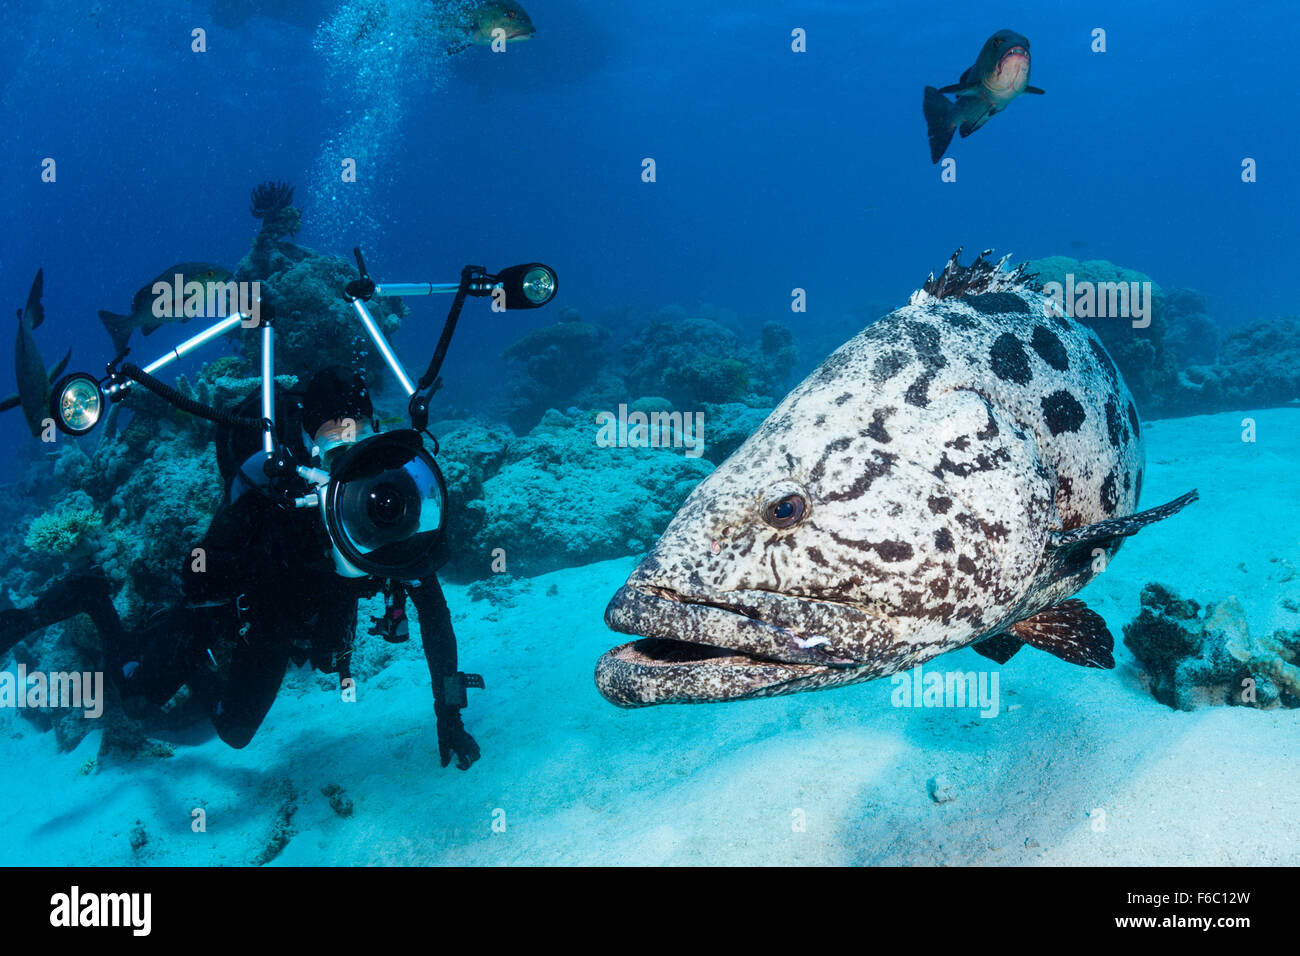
(267,593)
(265,587)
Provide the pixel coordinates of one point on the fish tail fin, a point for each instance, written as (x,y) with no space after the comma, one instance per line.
(119,329)
(939,122)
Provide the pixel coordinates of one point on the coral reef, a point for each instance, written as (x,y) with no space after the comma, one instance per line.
(60,531)
(555,499)
(1193,659)
(1258,366)
(686,360)
(315,326)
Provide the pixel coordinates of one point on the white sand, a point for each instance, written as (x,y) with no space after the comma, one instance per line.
(580,781)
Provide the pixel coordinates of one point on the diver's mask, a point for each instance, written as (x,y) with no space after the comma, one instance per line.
(336,435)
(384,505)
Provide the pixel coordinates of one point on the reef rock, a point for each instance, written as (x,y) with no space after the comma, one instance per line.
(556,499)
(1193,660)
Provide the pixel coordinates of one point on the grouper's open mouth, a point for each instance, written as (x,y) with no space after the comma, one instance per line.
(675,661)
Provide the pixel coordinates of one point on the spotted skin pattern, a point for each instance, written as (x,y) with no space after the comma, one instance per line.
(935,455)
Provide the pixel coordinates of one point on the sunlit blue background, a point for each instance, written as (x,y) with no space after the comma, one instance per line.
(775,169)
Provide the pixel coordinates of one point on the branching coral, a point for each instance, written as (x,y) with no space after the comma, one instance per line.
(58,532)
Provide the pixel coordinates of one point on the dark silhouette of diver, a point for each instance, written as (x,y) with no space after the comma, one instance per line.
(262,590)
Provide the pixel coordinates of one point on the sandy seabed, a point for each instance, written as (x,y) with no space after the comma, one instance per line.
(1078,767)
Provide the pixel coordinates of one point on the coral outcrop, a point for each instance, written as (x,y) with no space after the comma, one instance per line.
(1195,658)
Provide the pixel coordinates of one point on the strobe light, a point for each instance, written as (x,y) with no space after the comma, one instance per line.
(76,403)
(528,286)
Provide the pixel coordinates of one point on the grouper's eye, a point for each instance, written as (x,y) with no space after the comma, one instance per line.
(785,511)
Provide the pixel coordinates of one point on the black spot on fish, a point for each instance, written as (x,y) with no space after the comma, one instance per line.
(1049,348)
(1114,424)
(991,429)
(965,565)
(1137,488)
(880,464)
(996,303)
(834,448)
(816,557)
(939,587)
(1062,412)
(1128,482)
(842,398)
(1133,420)
(887,365)
(1008,361)
(925,339)
(957,319)
(1109,497)
(939,505)
(918,393)
(1103,359)
(943,540)
(876,429)
(893,551)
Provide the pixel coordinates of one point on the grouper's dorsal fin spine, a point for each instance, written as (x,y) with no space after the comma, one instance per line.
(1120,527)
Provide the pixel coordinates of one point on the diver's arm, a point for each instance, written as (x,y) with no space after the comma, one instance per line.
(439,640)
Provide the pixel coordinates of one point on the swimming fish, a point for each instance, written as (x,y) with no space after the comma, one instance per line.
(950,477)
(33,380)
(1000,74)
(142,315)
(475,27)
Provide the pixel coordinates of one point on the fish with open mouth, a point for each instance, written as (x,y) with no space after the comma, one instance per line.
(950,477)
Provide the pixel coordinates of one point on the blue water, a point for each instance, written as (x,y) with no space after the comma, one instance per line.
(775,170)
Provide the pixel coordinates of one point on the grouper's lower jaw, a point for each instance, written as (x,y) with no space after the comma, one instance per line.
(671,663)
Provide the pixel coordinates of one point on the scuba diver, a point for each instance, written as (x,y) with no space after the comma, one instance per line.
(261,588)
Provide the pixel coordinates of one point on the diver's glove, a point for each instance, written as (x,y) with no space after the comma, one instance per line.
(453,738)
(452,735)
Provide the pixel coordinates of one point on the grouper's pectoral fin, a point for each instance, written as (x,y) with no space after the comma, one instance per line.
(1035,89)
(1112,528)
(1071,630)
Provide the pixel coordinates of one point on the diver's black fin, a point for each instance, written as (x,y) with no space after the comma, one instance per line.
(58,369)
(10,401)
(1034,89)
(1120,527)
(119,329)
(999,648)
(35,312)
(1072,631)
(938,121)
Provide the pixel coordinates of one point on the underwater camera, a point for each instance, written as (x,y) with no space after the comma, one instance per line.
(383,500)
(384,506)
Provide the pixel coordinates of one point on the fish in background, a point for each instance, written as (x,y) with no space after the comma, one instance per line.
(475,26)
(33,380)
(999,75)
(142,315)
(948,478)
